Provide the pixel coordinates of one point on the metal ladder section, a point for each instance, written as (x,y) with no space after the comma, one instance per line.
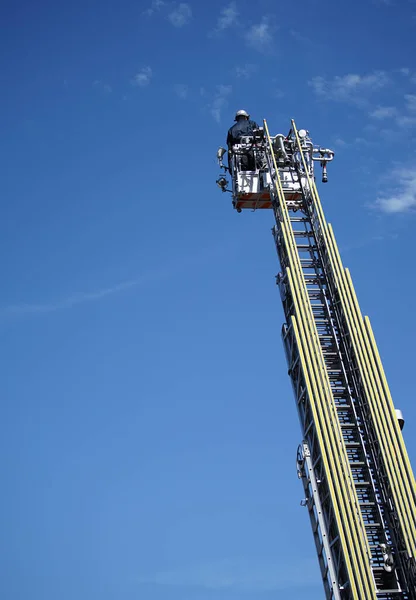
(338,461)
(394,489)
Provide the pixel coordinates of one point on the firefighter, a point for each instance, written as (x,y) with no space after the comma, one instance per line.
(243,126)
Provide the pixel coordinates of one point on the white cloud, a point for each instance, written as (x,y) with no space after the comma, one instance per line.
(349,88)
(403,199)
(181,90)
(154,7)
(259,36)
(103,87)
(383,112)
(220,101)
(404,71)
(181,15)
(228,17)
(245,71)
(143,77)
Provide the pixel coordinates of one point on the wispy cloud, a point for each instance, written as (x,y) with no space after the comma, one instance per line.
(241,575)
(349,88)
(368,241)
(180,265)
(228,18)
(103,87)
(143,77)
(403,198)
(300,37)
(181,90)
(259,36)
(181,15)
(278,94)
(220,101)
(155,7)
(410,100)
(383,112)
(245,71)
(406,118)
(406,121)
(340,143)
(71,300)
(358,90)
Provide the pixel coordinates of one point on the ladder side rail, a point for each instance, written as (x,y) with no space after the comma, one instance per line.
(311,486)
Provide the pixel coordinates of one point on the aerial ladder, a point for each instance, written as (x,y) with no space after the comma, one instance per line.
(359,488)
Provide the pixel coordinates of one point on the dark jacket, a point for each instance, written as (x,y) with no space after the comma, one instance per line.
(241,128)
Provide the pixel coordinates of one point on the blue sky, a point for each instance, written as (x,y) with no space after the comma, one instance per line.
(148,429)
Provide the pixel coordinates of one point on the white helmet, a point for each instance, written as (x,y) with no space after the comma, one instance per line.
(241,113)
